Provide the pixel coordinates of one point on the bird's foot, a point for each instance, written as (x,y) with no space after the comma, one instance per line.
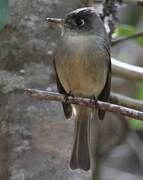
(67,96)
(93,100)
(70,94)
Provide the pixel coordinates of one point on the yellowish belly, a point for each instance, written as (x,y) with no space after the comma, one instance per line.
(81,65)
(82,78)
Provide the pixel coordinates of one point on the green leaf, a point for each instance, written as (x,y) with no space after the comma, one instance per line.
(140,41)
(140,92)
(128,30)
(3,13)
(125,30)
(135,124)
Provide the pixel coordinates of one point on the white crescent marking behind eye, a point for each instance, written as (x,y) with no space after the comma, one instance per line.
(82,22)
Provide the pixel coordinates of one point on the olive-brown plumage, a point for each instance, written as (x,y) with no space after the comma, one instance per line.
(83,68)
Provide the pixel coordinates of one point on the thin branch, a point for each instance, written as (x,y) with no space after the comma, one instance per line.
(115,98)
(127,71)
(114,42)
(51,96)
(110,11)
(129,102)
(109,15)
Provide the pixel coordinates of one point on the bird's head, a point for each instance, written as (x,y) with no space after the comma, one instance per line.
(83,21)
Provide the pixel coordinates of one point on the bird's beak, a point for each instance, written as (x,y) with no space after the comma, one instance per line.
(56,21)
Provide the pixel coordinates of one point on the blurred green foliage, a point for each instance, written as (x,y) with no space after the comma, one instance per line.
(4,11)
(135,124)
(127,30)
(140,91)
(123,31)
(140,41)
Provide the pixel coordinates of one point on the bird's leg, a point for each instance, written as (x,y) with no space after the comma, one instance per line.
(70,94)
(67,95)
(93,100)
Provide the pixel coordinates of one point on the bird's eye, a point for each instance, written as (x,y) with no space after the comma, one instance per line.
(80,22)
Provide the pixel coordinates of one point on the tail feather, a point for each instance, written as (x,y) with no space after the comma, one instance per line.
(80,155)
(94,141)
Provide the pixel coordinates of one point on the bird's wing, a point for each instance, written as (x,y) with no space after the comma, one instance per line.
(66,106)
(104,95)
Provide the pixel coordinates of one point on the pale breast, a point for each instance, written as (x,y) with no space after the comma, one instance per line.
(81,66)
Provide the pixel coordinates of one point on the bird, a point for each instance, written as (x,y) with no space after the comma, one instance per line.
(82,65)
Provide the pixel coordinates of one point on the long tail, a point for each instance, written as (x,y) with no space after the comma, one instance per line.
(94,143)
(80,158)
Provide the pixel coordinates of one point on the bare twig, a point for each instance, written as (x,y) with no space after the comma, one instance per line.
(127,71)
(110,11)
(114,42)
(110,8)
(126,101)
(51,96)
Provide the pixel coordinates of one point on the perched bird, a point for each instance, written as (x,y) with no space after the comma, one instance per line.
(83,68)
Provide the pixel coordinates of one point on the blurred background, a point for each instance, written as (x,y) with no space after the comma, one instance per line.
(35,138)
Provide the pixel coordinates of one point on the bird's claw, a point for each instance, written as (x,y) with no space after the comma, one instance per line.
(67,96)
(93,100)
